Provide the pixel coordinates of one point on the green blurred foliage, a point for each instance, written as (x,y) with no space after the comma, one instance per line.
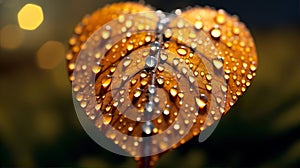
(39,126)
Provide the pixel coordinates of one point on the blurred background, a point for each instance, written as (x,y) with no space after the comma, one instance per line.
(39,126)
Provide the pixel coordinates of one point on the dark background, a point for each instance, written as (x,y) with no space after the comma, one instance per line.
(39,126)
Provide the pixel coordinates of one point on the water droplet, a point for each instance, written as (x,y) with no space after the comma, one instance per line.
(79,97)
(173,92)
(180,24)
(168,33)
(144,82)
(184,70)
(235,30)
(215,32)
(198,25)
(143,75)
(152,89)
(154,46)
(166,111)
(147,127)
(83,104)
(106,82)
(176,126)
(160,68)
(151,62)
(107,118)
(130,129)
(252,67)
(224,88)
(175,61)
(249,76)
(127,62)
(218,64)
(130,47)
(160,80)
(133,81)
(191,79)
(149,106)
(106,33)
(96,69)
(208,87)
(208,77)
(182,51)
(220,18)
(137,93)
(201,101)
(128,23)
(163,57)
(148,39)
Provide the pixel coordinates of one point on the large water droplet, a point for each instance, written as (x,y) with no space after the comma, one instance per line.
(107,118)
(147,127)
(151,62)
(201,101)
(182,51)
(149,106)
(152,89)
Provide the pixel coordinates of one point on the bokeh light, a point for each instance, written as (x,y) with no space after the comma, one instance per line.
(11,37)
(30,17)
(50,54)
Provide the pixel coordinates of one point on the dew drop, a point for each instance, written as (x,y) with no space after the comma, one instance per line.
(137,93)
(191,79)
(152,89)
(168,33)
(175,61)
(127,62)
(201,101)
(163,57)
(96,69)
(208,87)
(198,25)
(107,118)
(252,67)
(149,106)
(220,18)
(224,88)
(173,92)
(151,62)
(215,33)
(182,51)
(130,47)
(218,64)
(147,127)
(128,23)
(160,80)
(130,129)
(106,82)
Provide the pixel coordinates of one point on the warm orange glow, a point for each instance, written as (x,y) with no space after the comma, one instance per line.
(11,37)
(50,54)
(30,17)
